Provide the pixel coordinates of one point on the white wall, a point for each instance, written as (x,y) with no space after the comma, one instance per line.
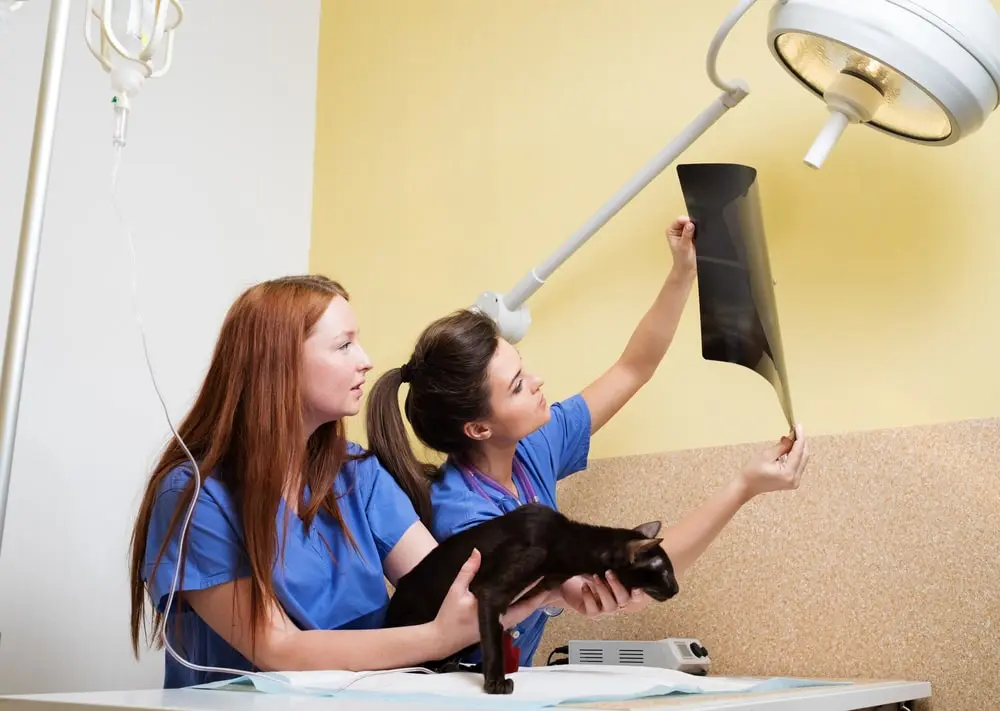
(217,180)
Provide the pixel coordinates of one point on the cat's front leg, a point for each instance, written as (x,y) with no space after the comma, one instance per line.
(495,681)
(501,576)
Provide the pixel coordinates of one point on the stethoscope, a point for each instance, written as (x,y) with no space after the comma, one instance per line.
(479,483)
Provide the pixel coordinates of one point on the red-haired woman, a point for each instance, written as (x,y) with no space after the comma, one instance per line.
(294,532)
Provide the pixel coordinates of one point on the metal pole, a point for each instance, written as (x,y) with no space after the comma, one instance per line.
(733,92)
(23,289)
(533,280)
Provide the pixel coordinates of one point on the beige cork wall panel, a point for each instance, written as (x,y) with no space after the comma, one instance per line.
(884,564)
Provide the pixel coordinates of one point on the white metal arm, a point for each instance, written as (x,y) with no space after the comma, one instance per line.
(508,310)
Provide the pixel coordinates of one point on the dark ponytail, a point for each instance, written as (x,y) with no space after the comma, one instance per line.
(387,440)
(447,377)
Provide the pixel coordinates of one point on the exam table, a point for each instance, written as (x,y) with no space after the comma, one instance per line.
(859,696)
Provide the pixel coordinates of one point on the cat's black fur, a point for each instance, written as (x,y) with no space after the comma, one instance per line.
(518,548)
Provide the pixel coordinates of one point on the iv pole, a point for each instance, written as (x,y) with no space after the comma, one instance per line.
(32,218)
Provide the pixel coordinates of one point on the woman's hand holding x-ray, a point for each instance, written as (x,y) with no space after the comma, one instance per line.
(680,236)
(779,468)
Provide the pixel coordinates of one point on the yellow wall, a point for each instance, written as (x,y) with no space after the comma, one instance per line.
(459,141)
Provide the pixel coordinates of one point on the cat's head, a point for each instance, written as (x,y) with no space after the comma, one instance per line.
(643,564)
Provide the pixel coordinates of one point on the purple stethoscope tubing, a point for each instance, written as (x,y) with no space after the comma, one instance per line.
(477,481)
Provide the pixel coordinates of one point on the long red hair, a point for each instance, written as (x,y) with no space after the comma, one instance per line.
(246,429)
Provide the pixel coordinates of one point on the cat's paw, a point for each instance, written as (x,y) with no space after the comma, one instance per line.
(499,686)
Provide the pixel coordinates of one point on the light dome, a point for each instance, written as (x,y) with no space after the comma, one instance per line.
(927,72)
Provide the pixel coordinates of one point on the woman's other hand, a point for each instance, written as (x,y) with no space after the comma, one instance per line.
(457,620)
(779,468)
(594,596)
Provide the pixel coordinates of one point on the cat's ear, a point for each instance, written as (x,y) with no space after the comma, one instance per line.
(648,529)
(477,431)
(637,546)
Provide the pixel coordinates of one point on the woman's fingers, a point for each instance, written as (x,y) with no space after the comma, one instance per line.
(606,598)
(621,595)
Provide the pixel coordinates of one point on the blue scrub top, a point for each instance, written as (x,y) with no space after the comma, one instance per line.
(554,451)
(315,591)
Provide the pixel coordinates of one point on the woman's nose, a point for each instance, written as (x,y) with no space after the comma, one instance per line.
(365,363)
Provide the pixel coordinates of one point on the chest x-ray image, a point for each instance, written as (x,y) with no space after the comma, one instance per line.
(739,318)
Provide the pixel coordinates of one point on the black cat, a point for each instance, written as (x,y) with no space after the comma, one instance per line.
(518,548)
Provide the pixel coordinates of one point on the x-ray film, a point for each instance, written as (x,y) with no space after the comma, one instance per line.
(739,319)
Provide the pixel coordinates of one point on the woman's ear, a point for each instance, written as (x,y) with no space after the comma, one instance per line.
(477,431)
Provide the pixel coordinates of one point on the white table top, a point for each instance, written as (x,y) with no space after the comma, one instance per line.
(859,695)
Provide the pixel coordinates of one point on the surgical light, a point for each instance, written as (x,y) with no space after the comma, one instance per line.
(925,71)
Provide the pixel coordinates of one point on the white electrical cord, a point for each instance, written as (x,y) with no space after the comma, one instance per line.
(197,477)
